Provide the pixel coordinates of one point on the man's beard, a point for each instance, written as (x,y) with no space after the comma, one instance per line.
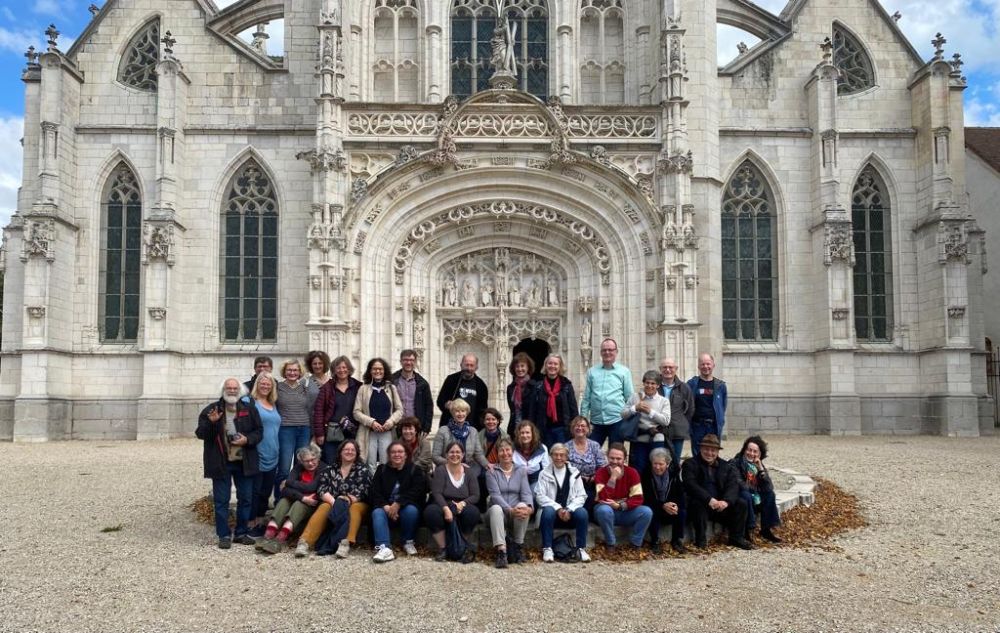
(467,375)
(231,399)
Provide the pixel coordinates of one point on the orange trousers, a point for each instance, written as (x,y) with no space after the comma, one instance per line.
(317,523)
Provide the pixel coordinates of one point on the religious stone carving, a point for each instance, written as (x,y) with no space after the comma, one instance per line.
(840,314)
(953,242)
(495,277)
(838,245)
(675,163)
(585,304)
(36,312)
(406,154)
(359,190)
(157,313)
(418,333)
(956,312)
(600,154)
(157,243)
(502,332)
(418,304)
(325,160)
(39,240)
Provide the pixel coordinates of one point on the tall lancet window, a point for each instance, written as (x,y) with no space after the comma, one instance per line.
(472,28)
(602,52)
(250,257)
(749,271)
(870,219)
(138,65)
(397,48)
(850,58)
(121,242)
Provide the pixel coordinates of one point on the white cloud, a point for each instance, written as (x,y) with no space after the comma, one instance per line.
(971,28)
(47,7)
(17,41)
(7,14)
(11,131)
(982,108)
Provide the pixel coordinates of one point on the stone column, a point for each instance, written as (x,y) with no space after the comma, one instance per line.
(566,69)
(435,64)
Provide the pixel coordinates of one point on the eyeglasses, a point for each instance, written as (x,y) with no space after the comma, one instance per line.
(608,351)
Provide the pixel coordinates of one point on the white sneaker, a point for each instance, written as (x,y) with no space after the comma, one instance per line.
(302,549)
(547,555)
(583,555)
(383,554)
(410,548)
(344,549)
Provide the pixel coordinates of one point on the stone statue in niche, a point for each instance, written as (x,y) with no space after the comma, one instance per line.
(487,294)
(418,333)
(450,293)
(586,332)
(515,296)
(534,295)
(501,292)
(552,291)
(468,295)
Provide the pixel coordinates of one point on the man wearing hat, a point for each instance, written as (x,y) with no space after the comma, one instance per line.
(713,492)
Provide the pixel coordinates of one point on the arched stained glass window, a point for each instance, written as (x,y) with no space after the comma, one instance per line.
(870,219)
(472,25)
(849,56)
(250,257)
(749,273)
(397,40)
(138,64)
(121,237)
(602,52)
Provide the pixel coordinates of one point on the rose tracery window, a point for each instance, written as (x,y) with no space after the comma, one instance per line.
(138,64)
(472,25)
(250,257)
(602,52)
(121,237)
(849,56)
(396,69)
(749,275)
(870,220)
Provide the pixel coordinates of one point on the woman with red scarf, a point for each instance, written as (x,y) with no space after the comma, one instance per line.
(521,391)
(555,402)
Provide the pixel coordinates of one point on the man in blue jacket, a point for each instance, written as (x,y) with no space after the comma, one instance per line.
(710,399)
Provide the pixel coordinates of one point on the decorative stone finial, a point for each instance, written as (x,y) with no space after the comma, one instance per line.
(94,9)
(168,43)
(827,48)
(896,16)
(939,43)
(260,38)
(957,63)
(31,56)
(53,34)
(742,48)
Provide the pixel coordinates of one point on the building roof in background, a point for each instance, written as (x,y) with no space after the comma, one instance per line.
(984,143)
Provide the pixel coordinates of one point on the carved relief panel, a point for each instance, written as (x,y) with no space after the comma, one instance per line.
(496,277)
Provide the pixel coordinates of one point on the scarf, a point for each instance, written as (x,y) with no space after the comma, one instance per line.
(752,484)
(413,446)
(551,412)
(491,446)
(661,484)
(459,433)
(519,392)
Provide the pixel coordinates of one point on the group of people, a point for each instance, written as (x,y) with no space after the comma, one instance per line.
(332,451)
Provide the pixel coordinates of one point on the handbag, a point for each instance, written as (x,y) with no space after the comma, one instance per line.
(334,433)
(630,427)
(455,544)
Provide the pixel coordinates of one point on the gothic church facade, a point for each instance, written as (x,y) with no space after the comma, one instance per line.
(191,200)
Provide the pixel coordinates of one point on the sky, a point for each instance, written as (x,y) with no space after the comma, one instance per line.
(972,28)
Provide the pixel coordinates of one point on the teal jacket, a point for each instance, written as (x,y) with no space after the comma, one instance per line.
(606,393)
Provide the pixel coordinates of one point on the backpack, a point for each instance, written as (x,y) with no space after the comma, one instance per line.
(563,549)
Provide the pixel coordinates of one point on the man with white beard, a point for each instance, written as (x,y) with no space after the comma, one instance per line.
(231,429)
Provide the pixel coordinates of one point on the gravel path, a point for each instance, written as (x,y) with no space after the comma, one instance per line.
(930,560)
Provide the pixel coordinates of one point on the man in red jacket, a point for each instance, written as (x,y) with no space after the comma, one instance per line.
(619,499)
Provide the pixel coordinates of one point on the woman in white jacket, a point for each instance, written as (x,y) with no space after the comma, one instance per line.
(560,497)
(654,417)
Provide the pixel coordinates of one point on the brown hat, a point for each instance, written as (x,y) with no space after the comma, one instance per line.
(711,440)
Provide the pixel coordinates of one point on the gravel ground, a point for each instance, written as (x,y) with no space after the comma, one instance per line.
(929,561)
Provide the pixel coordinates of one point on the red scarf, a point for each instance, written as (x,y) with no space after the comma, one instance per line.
(519,392)
(550,405)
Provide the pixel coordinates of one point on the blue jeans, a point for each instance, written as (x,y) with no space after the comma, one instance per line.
(610,432)
(290,439)
(221,491)
(409,516)
(698,433)
(638,455)
(638,518)
(554,435)
(678,447)
(768,510)
(550,520)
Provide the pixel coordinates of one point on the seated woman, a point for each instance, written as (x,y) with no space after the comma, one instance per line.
(586,456)
(418,449)
(454,493)
(298,501)
(459,430)
(398,493)
(529,451)
(343,492)
(510,502)
(663,493)
(490,435)
(654,416)
(757,489)
(560,497)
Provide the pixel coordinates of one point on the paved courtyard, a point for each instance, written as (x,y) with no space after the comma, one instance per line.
(929,561)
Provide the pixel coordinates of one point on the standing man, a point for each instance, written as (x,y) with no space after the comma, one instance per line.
(465,385)
(230,430)
(260,364)
(681,406)
(609,386)
(710,400)
(414,391)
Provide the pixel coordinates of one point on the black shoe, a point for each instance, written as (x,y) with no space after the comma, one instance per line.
(257,531)
(655,547)
(701,544)
(678,547)
(501,562)
(244,539)
(225,542)
(741,543)
(441,556)
(768,535)
(469,556)
(515,554)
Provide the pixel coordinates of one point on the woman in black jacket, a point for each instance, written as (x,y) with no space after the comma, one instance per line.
(299,500)
(555,402)
(522,391)
(757,489)
(398,493)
